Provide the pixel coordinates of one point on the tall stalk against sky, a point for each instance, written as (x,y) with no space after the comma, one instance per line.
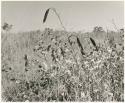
(53,9)
(73,53)
(44,20)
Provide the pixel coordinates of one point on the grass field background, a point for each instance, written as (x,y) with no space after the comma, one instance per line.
(39,66)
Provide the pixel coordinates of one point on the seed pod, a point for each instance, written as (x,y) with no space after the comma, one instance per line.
(48,48)
(26,60)
(27,85)
(62,52)
(93,42)
(25,57)
(80,46)
(45,16)
(12,79)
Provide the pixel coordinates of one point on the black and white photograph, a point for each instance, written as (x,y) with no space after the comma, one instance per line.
(62,51)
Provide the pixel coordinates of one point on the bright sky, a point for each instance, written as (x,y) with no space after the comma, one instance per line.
(76,16)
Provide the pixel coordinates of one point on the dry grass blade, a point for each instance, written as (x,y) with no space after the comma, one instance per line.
(45,16)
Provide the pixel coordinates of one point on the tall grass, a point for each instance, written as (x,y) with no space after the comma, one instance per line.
(51,74)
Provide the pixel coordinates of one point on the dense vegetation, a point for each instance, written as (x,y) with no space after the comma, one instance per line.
(48,66)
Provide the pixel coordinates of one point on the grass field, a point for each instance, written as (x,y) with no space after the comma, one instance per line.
(44,66)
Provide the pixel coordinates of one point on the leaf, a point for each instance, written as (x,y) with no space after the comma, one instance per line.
(93,42)
(45,16)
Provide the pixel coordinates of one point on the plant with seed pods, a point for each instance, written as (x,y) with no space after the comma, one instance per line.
(51,68)
(68,38)
(44,20)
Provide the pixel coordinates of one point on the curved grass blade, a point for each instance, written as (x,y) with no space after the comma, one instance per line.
(45,16)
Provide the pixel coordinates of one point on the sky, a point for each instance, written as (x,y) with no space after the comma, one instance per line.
(75,15)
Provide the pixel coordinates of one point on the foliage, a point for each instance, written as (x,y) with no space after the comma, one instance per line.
(40,67)
(7,27)
(98,29)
